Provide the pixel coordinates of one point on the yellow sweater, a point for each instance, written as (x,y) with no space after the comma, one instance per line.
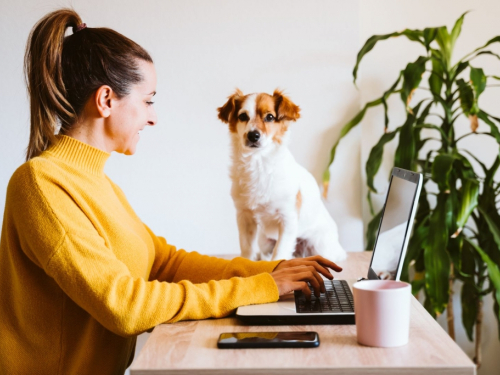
(81,275)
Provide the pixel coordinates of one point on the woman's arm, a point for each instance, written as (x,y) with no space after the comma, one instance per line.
(58,236)
(174,265)
(90,275)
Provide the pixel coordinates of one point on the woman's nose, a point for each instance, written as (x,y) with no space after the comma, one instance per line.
(152,118)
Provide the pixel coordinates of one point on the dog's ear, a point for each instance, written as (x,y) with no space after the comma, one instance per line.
(229,109)
(285,108)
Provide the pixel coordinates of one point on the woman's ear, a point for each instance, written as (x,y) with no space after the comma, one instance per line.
(285,108)
(103,100)
(228,111)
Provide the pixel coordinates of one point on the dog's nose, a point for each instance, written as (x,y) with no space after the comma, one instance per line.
(253,136)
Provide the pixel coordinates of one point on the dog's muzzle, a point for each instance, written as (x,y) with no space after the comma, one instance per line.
(253,138)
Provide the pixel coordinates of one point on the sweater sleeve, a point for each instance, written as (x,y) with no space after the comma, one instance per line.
(59,237)
(102,285)
(174,265)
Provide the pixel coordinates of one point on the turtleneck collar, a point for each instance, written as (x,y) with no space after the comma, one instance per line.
(79,154)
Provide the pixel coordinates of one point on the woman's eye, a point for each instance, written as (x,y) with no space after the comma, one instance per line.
(243,117)
(150,103)
(269,118)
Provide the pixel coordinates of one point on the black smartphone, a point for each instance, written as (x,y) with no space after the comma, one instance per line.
(297,339)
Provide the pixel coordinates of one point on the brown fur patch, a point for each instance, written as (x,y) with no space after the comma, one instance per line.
(267,104)
(285,108)
(264,105)
(298,202)
(228,112)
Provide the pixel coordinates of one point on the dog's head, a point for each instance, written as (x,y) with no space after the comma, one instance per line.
(258,120)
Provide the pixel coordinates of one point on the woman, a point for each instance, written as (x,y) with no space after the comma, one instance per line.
(80,275)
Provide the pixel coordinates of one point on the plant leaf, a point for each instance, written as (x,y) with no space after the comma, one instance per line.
(467,262)
(464,168)
(444,41)
(478,80)
(495,230)
(485,170)
(384,97)
(375,158)
(466,96)
(412,76)
(346,129)
(436,258)
(468,202)
(413,35)
(405,155)
(491,41)
(423,209)
(469,308)
(494,129)
(488,180)
(457,28)
(444,138)
(493,272)
(425,112)
(429,305)
(436,78)
(372,230)
(441,168)
(417,284)
(429,35)
(486,53)
(415,247)
(459,68)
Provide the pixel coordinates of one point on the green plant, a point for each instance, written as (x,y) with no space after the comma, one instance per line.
(457,230)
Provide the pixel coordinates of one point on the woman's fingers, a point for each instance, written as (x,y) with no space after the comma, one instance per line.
(325,262)
(304,287)
(298,274)
(319,268)
(320,263)
(319,279)
(310,275)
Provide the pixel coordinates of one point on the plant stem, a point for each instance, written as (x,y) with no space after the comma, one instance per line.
(479,325)
(471,133)
(449,308)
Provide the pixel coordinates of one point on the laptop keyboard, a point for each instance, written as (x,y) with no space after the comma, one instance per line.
(338,298)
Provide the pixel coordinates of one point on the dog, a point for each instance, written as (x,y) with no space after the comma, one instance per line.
(280,213)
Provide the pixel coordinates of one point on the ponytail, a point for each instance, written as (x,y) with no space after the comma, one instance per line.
(42,66)
(63,72)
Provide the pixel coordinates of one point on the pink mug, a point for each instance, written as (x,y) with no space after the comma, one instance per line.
(382,312)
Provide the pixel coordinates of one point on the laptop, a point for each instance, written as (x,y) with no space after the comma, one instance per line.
(336,306)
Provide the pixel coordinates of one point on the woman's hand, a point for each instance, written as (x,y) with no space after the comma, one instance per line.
(294,274)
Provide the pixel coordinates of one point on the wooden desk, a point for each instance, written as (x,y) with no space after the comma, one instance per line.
(191,347)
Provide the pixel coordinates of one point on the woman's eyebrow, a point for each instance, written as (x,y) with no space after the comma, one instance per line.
(152,93)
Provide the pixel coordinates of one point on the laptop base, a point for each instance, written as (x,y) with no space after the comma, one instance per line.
(298,319)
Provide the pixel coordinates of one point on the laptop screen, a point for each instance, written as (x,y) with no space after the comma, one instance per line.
(395,225)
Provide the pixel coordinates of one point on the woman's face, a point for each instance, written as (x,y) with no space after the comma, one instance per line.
(133,112)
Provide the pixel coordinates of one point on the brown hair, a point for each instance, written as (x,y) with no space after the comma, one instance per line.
(62,72)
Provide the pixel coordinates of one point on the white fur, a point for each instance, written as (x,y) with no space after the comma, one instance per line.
(266,181)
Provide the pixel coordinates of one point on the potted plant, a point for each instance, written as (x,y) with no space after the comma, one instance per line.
(457,230)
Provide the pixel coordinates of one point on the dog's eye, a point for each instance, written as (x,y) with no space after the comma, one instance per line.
(243,117)
(269,118)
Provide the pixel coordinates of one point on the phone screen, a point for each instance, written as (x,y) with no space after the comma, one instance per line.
(268,340)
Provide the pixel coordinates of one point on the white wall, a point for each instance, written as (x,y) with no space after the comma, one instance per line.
(178,180)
